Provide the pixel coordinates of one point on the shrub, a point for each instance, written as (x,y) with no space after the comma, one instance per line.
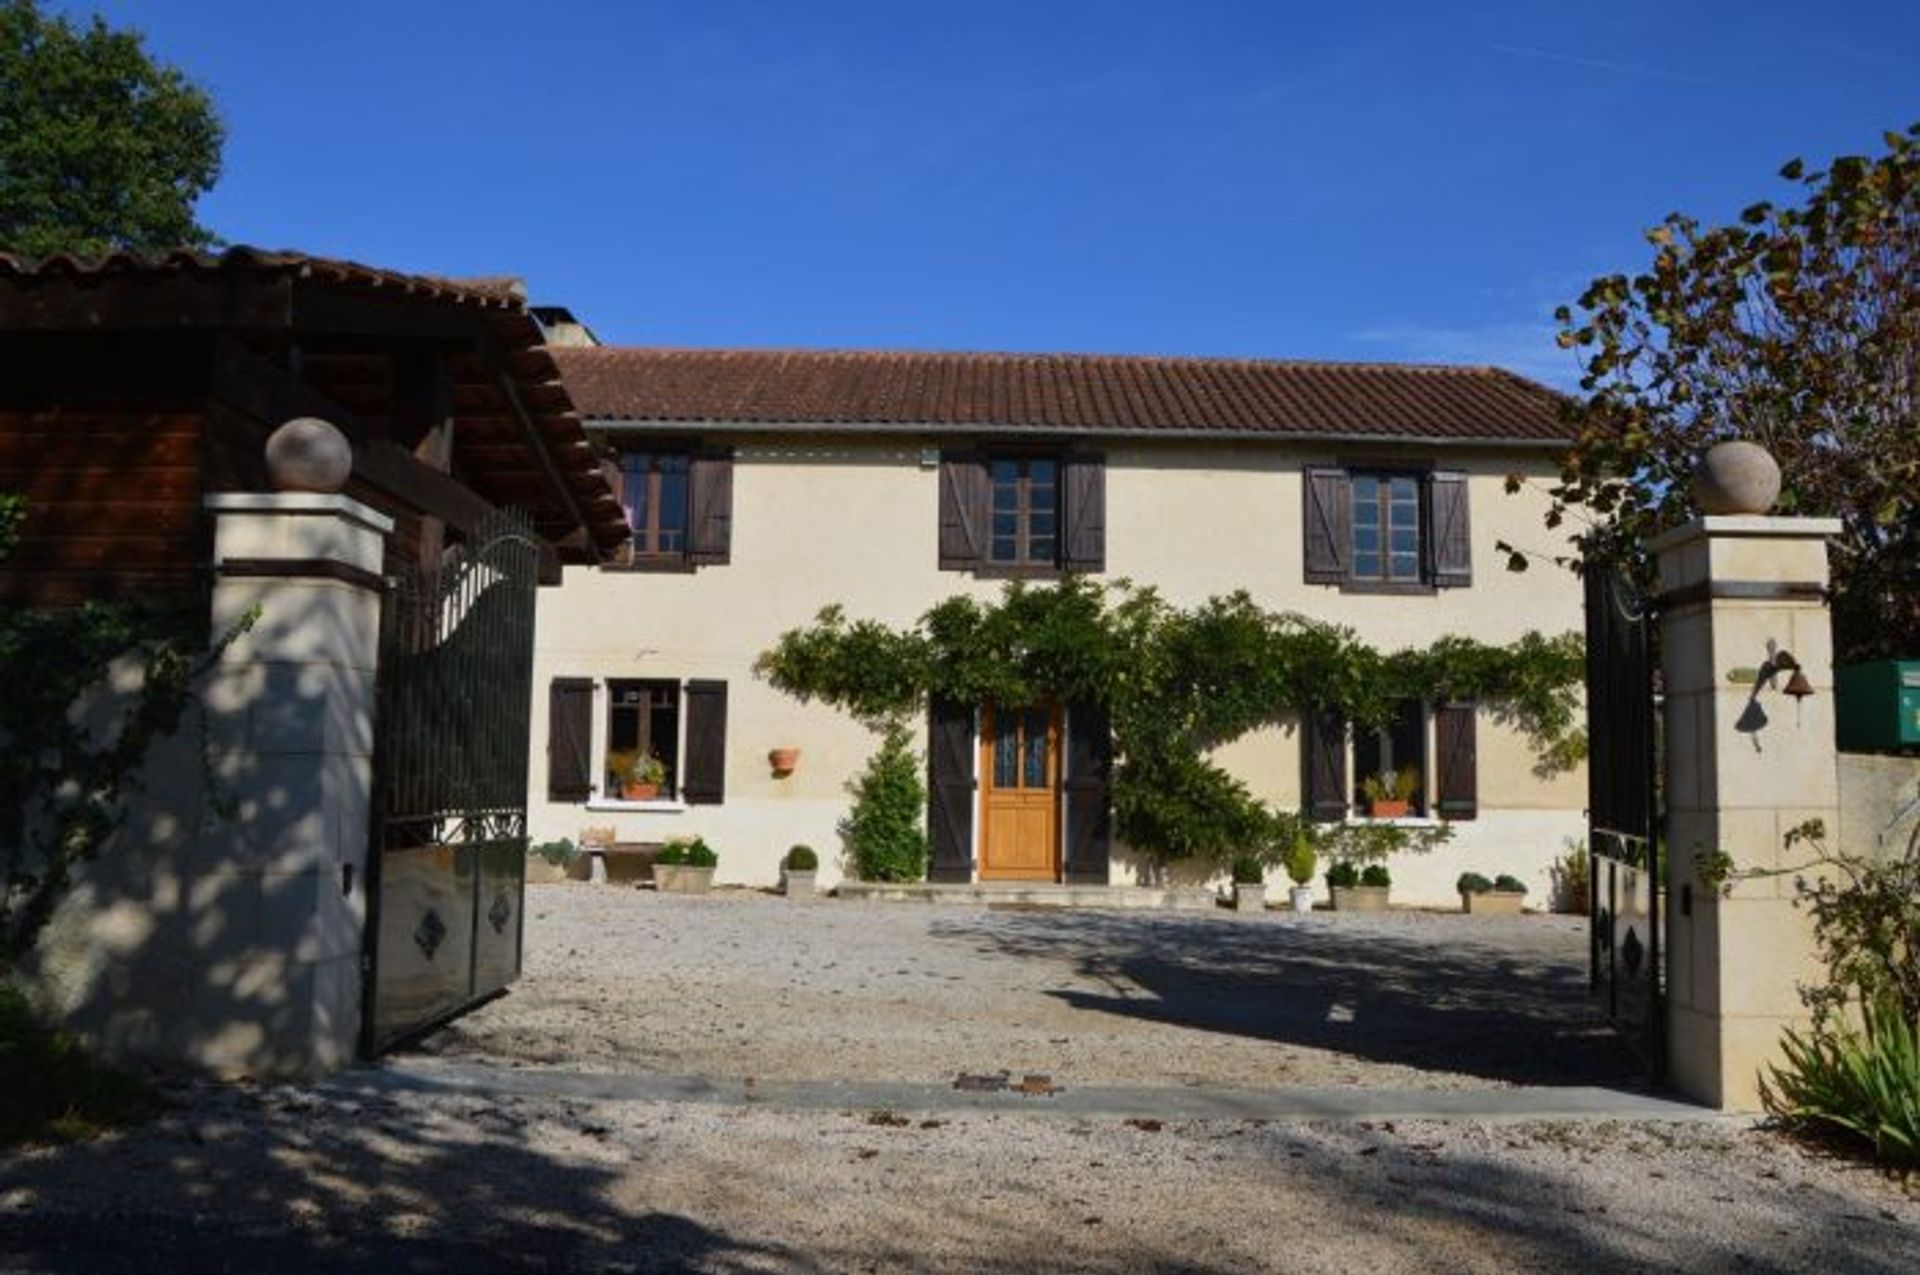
(559,853)
(802,859)
(1343,876)
(701,855)
(1472,883)
(1506,884)
(1301,859)
(674,852)
(1248,870)
(882,831)
(1375,874)
(1862,1084)
(1572,876)
(51,1089)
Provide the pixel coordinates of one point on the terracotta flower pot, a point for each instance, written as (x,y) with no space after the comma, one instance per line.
(1386,809)
(634,790)
(783,760)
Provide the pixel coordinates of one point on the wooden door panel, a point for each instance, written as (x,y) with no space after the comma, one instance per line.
(1020,769)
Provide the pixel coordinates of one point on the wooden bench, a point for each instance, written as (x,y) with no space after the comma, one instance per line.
(599,846)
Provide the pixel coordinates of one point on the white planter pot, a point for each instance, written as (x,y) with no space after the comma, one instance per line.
(1300,897)
(799,885)
(1249,898)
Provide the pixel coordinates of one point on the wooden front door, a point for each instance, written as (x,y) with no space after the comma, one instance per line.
(1020,762)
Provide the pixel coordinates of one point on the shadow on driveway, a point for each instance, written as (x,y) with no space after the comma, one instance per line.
(1421,992)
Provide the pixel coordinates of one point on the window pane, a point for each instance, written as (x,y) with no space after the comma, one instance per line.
(1366,491)
(1035,767)
(1366,513)
(1006,472)
(673,498)
(1006,499)
(635,497)
(1006,750)
(1040,549)
(1404,489)
(1041,524)
(1405,541)
(1366,566)
(1406,566)
(1366,539)
(1041,472)
(1005,524)
(1003,550)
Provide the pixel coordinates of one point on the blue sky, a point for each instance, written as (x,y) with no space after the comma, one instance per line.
(1364,180)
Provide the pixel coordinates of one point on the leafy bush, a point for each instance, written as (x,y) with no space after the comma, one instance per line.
(1343,876)
(559,853)
(882,832)
(1860,1083)
(802,859)
(1509,884)
(701,855)
(1301,859)
(1375,874)
(50,1089)
(1247,869)
(674,853)
(1369,842)
(1572,875)
(1472,883)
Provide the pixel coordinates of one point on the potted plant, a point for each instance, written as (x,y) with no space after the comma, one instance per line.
(636,773)
(1249,883)
(668,865)
(690,862)
(782,761)
(1301,862)
(1390,796)
(1499,897)
(797,873)
(550,861)
(1359,890)
(1572,878)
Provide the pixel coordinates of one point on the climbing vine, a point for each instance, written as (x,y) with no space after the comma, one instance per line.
(65,773)
(1176,683)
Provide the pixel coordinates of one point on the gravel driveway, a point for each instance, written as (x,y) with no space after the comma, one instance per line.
(745,984)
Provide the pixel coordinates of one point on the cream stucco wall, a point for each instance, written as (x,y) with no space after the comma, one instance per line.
(824,520)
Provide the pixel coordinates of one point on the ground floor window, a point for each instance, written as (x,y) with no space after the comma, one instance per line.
(1390,763)
(1425,755)
(636,739)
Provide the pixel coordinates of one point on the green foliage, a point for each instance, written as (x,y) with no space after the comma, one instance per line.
(674,853)
(1572,874)
(62,799)
(1506,884)
(51,1090)
(1301,859)
(1866,922)
(1472,883)
(1175,683)
(1398,786)
(1371,842)
(701,855)
(802,859)
(882,831)
(101,147)
(1861,1083)
(1797,327)
(559,852)
(1247,869)
(1376,874)
(1343,876)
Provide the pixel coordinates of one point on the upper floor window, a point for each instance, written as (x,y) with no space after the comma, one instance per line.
(679,505)
(1026,508)
(654,489)
(1387,530)
(1023,512)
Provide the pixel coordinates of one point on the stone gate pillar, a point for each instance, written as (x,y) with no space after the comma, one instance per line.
(1743,605)
(276,905)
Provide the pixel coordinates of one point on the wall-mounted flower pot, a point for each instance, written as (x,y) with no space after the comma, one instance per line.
(782,761)
(1492,902)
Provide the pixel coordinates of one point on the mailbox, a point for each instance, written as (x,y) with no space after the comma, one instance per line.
(1878,706)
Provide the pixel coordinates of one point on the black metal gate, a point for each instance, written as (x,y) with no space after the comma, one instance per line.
(450,782)
(1623,815)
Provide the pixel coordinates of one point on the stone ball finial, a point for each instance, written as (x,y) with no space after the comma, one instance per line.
(308,454)
(1736,478)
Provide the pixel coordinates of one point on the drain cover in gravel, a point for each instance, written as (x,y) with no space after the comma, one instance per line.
(992,1083)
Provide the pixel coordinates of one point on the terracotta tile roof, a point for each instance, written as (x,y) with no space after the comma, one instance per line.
(1102,394)
(64,292)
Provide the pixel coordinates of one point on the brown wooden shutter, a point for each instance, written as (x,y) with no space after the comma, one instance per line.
(1450,536)
(569,739)
(704,781)
(950,790)
(965,494)
(1456,787)
(1329,532)
(710,508)
(1089,785)
(1323,752)
(1084,484)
